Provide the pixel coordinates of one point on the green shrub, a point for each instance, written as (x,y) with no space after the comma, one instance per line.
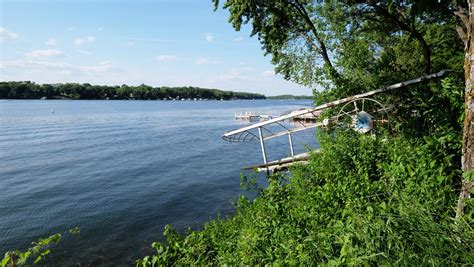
(361,200)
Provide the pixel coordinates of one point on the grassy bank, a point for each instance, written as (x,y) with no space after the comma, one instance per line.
(362,200)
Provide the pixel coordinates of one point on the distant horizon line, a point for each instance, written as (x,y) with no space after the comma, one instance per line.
(182,86)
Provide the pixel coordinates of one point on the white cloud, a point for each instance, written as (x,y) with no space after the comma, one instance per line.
(100,28)
(237,39)
(249,79)
(6,35)
(84,40)
(201,61)
(205,60)
(46,53)
(268,73)
(130,43)
(166,58)
(51,42)
(35,65)
(70,29)
(209,37)
(84,52)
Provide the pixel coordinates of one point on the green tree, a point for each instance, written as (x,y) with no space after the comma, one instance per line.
(353,46)
(287,31)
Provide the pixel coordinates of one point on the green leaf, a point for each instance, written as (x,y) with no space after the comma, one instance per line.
(46,252)
(5,260)
(441,178)
(24,257)
(344,250)
(154,260)
(468,175)
(38,259)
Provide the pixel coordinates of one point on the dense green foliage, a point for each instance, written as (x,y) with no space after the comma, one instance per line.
(348,47)
(361,200)
(29,90)
(372,51)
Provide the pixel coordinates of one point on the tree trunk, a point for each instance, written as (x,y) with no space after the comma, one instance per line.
(426,51)
(468,132)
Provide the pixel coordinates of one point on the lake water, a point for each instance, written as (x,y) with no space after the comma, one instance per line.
(121,171)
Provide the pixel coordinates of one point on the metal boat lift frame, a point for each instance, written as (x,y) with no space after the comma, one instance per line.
(246,134)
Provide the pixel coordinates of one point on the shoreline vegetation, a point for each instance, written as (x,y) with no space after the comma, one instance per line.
(362,200)
(290,97)
(86,91)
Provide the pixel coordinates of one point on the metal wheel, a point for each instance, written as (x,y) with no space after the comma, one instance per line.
(363,115)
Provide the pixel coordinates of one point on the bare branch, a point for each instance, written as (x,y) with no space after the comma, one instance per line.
(322,46)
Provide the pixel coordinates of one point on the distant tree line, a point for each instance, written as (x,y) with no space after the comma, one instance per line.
(31,90)
(290,97)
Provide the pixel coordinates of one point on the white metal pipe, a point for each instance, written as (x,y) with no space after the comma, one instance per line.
(294,130)
(262,145)
(337,102)
(290,139)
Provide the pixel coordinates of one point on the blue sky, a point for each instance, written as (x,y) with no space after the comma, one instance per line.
(114,42)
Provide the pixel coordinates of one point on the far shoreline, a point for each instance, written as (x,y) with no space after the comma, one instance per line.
(168,100)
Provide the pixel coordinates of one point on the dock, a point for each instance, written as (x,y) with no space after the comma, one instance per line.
(307,117)
(254,116)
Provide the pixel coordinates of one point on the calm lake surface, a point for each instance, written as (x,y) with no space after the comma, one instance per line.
(121,171)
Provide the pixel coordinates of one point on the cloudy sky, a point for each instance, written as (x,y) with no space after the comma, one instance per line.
(114,42)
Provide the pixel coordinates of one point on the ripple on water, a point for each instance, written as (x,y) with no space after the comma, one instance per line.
(120,170)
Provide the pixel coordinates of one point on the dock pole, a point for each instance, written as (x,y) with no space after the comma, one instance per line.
(291,145)
(262,145)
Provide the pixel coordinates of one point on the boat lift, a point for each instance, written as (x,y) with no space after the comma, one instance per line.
(359,112)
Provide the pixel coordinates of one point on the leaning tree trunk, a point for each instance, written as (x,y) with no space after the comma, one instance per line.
(468,132)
